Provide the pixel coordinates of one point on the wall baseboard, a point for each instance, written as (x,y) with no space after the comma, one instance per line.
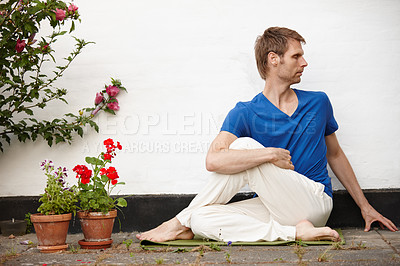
(147,211)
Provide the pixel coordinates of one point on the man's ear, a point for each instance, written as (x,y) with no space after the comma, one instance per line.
(273,58)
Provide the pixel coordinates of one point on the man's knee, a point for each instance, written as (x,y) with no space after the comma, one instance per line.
(245,143)
(201,219)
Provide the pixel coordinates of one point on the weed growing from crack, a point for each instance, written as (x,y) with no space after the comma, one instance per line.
(199,256)
(74,249)
(228,253)
(12,251)
(301,243)
(358,246)
(180,250)
(159,261)
(299,251)
(228,257)
(395,257)
(325,256)
(102,257)
(337,246)
(215,247)
(128,243)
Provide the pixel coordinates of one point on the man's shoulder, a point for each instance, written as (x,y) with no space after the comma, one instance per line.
(312,95)
(248,104)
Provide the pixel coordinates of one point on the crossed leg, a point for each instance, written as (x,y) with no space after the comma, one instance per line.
(288,207)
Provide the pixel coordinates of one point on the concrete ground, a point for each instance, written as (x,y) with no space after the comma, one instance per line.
(377,247)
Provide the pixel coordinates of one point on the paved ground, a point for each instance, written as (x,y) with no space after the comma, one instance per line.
(377,247)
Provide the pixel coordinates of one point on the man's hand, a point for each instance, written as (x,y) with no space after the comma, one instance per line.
(370,215)
(343,171)
(281,158)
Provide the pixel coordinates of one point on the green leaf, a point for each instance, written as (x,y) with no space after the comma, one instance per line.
(28,111)
(62,99)
(104,178)
(50,141)
(72,27)
(93,161)
(93,124)
(109,111)
(121,202)
(30,27)
(80,131)
(59,139)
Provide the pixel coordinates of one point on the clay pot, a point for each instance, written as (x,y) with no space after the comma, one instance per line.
(51,231)
(97,229)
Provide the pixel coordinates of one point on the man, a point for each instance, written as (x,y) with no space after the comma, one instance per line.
(279,144)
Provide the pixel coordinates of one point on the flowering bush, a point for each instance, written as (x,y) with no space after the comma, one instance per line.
(95,185)
(107,99)
(58,197)
(24,86)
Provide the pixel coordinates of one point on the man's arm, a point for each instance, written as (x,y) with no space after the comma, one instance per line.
(344,172)
(223,160)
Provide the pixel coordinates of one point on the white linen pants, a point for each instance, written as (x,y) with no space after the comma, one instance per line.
(285,197)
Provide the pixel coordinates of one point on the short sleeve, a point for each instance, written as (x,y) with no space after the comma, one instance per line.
(331,124)
(236,121)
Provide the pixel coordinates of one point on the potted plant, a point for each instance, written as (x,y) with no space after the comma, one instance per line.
(58,202)
(98,208)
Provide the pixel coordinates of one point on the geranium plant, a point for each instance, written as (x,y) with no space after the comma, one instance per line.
(95,185)
(24,86)
(58,197)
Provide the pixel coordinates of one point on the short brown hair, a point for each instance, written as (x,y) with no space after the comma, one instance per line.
(274,39)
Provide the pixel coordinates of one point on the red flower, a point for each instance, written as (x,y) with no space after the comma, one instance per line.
(107,156)
(114,182)
(20,45)
(119,146)
(83,173)
(85,180)
(108,142)
(103,171)
(112,173)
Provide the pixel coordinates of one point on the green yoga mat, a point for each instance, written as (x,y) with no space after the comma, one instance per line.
(205,242)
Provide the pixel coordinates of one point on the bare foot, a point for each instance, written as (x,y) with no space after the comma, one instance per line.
(169,230)
(306,231)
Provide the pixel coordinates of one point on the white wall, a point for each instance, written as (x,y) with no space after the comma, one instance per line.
(185,65)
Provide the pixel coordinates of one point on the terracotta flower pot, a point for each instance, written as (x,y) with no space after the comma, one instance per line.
(97,229)
(51,231)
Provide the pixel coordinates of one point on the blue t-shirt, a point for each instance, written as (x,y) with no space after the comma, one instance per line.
(303,133)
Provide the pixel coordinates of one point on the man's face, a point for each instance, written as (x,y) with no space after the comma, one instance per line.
(292,63)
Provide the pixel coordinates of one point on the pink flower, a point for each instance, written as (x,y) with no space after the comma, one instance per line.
(113,105)
(60,14)
(112,90)
(72,8)
(20,45)
(45,47)
(99,98)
